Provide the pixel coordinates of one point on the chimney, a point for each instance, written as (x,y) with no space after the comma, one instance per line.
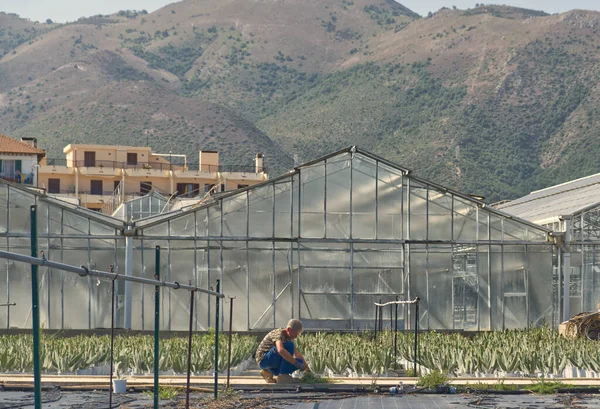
(258,161)
(30,141)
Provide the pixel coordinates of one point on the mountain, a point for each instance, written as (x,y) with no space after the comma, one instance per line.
(495,100)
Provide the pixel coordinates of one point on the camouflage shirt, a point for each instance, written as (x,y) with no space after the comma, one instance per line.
(279,334)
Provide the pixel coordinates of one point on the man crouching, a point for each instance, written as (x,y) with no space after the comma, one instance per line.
(276,355)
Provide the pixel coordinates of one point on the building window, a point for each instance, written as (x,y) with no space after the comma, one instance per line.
(116,184)
(188,189)
(89,159)
(242,186)
(145,187)
(53,185)
(132,159)
(208,187)
(11,170)
(96,187)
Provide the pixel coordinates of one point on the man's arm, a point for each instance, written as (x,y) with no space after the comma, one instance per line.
(297,354)
(285,354)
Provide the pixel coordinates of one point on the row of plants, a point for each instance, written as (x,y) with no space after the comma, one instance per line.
(540,351)
(132,354)
(516,352)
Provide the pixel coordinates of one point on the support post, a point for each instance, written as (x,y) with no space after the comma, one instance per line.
(156,324)
(112,336)
(229,346)
(128,272)
(376,320)
(189,351)
(37,378)
(396,334)
(566,259)
(216,391)
(416,335)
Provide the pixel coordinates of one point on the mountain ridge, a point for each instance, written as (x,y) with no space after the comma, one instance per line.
(495,101)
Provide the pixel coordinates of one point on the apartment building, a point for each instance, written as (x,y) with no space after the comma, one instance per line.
(100,177)
(19,160)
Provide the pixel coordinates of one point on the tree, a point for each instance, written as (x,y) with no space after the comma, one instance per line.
(49,21)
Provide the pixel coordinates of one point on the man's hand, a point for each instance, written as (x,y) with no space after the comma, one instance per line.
(306,368)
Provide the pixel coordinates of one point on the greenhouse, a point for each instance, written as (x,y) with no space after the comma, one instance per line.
(321,243)
(572,211)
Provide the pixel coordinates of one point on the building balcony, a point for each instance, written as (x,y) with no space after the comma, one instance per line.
(55,167)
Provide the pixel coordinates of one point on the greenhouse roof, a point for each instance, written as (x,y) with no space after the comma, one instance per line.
(566,199)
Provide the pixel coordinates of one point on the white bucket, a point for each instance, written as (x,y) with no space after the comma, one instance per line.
(119,385)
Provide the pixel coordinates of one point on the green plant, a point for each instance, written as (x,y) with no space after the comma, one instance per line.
(498,386)
(545,388)
(165,392)
(432,380)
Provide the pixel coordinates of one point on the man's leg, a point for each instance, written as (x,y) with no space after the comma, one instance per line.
(285,367)
(271,361)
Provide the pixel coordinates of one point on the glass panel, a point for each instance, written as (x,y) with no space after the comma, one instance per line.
(440,306)
(283,284)
(19,211)
(183,226)
(312,198)
(540,285)
(483,224)
(181,256)
(440,215)
(77,300)
(484,283)
(377,255)
(328,254)
(101,229)
(514,231)
(338,197)
(261,211)
(234,215)
(261,286)
(418,282)
(161,230)
(214,220)
(283,203)
(496,227)
(234,282)
(364,203)
(496,293)
(390,203)
(418,211)
(465,220)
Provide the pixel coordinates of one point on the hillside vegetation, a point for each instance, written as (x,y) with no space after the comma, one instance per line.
(495,100)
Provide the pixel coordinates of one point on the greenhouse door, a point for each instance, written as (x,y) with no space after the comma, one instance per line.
(465,312)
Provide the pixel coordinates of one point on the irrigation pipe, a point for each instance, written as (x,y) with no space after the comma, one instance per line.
(84,271)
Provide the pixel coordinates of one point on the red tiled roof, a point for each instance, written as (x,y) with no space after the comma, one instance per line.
(9,145)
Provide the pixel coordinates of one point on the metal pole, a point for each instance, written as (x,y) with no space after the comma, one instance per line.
(396,335)
(83,271)
(189,351)
(229,347)
(35,312)
(128,289)
(216,392)
(391,317)
(416,334)
(156,324)
(112,337)
(380,318)
(376,321)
